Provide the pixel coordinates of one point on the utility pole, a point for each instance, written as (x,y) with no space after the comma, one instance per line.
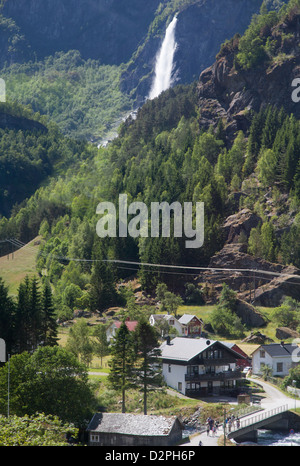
(8,385)
(224,427)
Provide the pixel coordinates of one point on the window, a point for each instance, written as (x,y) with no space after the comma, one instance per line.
(180,386)
(94,438)
(262,353)
(169,367)
(279,367)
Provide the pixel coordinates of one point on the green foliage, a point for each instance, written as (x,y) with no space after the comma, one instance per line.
(29,320)
(288,314)
(148,365)
(79,343)
(121,376)
(36,430)
(262,242)
(100,345)
(169,302)
(263,42)
(223,319)
(294,375)
(50,380)
(82,97)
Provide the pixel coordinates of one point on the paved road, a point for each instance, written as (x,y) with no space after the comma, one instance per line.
(272,399)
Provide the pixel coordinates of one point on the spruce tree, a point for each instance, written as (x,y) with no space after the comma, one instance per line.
(122,361)
(148,370)
(7,311)
(49,322)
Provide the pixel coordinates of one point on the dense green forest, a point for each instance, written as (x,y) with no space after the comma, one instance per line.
(162,155)
(81,96)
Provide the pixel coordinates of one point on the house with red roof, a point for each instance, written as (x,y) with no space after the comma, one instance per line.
(116,324)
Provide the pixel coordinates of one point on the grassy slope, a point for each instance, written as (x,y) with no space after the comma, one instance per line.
(14,268)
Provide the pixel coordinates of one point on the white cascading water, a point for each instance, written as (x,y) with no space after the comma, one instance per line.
(164,68)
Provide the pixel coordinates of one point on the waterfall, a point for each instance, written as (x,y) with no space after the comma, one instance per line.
(164,67)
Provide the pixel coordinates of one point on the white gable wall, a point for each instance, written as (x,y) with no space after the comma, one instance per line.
(174,375)
(276,363)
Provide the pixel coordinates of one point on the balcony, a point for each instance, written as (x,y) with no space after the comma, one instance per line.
(226,375)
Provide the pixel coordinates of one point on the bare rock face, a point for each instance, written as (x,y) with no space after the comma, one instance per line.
(227,91)
(257,338)
(283,333)
(239,223)
(248,314)
(252,286)
(273,293)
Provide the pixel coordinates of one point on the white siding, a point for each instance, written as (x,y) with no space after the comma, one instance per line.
(174,375)
(258,360)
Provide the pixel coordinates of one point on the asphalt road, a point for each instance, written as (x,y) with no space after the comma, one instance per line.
(272,398)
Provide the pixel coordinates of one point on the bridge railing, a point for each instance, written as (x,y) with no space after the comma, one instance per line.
(259,417)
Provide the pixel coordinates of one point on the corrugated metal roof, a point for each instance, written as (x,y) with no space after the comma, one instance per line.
(131,424)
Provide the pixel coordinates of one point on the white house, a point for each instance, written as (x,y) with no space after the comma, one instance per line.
(278,356)
(154,319)
(192,325)
(199,367)
(114,326)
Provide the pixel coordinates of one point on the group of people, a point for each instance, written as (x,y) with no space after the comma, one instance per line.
(232,421)
(212,426)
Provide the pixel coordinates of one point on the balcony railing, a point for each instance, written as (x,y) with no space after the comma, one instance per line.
(226,375)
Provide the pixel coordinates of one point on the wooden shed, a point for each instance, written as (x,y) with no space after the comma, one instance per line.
(122,429)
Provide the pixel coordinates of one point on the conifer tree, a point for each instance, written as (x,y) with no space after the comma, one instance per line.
(148,370)
(49,322)
(122,361)
(7,311)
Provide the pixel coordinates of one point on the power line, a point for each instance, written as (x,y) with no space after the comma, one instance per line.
(20,244)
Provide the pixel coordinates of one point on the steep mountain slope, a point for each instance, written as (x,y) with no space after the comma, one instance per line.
(186,145)
(250,76)
(87,64)
(202,26)
(108,30)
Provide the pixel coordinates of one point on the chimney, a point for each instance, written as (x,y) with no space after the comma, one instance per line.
(168,340)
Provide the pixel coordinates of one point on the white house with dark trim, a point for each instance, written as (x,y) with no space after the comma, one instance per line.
(278,356)
(200,367)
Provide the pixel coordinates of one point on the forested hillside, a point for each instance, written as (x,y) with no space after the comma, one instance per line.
(168,153)
(87,81)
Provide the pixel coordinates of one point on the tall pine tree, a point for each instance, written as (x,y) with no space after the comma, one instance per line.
(148,370)
(122,361)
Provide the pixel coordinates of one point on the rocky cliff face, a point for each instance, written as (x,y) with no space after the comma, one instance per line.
(201,29)
(108,30)
(227,91)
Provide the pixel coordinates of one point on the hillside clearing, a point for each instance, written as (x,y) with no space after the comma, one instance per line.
(14,267)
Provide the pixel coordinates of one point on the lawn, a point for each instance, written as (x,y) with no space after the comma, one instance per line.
(14,267)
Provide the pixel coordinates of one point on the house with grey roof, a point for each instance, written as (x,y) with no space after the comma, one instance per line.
(122,429)
(278,356)
(199,366)
(192,325)
(166,322)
